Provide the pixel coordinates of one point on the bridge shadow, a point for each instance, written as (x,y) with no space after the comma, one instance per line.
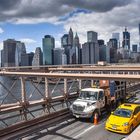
(35,134)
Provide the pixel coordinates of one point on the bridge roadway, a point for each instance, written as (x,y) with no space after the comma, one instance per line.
(68,128)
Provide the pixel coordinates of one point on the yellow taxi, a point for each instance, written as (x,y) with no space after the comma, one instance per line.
(124,119)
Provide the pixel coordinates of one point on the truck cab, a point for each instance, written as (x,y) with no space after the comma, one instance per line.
(95,100)
(90,101)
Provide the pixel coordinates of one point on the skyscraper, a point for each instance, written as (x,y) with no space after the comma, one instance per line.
(101,42)
(20,49)
(37,59)
(90,49)
(92,36)
(70,37)
(48,46)
(134,48)
(90,53)
(117,36)
(139,38)
(59,56)
(104,53)
(77,49)
(126,39)
(9,49)
(67,42)
(26,59)
(64,40)
(2,58)
(113,43)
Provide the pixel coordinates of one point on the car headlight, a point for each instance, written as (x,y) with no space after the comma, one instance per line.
(126,124)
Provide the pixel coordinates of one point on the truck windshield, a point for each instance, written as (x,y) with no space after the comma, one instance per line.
(88,95)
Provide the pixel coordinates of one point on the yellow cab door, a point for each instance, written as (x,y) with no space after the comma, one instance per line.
(136,117)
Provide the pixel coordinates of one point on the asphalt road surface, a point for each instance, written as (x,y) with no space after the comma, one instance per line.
(70,129)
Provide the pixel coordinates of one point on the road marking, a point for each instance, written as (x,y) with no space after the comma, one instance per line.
(86,130)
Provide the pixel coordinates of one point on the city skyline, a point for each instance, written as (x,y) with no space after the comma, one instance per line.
(29,24)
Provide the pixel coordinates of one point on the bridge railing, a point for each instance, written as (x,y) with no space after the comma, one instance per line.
(26,96)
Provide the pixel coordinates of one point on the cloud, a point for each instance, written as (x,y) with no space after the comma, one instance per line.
(57,43)
(97,5)
(10,4)
(105,23)
(27,40)
(1,45)
(1,30)
(28,11)
(33,10)
(102,16)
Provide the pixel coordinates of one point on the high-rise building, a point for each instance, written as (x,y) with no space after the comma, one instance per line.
(126,39)
(64,59)
(70,47)
(90,53)
(104,53)
(70,37)
(38,57)
(113,55)
(76,41)
(134,48)
(64,40)
(26,59)
(2,58)
(124,53)
(48,46)
(12,51)
(77,47)
(90,50)
(113,43)
(101,42)
(139,38)
(72,55)
(92,36)
(20,49)
(116,36)
(59,56)
(9,48)
(67,50)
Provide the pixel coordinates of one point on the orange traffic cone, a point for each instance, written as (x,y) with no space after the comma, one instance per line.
(95,119)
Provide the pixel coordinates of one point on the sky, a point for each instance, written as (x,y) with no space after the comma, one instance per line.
(30,20)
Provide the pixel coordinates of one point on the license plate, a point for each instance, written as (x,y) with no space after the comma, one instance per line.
(114,127)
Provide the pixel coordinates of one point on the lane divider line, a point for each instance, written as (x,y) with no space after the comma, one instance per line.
(86,130)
